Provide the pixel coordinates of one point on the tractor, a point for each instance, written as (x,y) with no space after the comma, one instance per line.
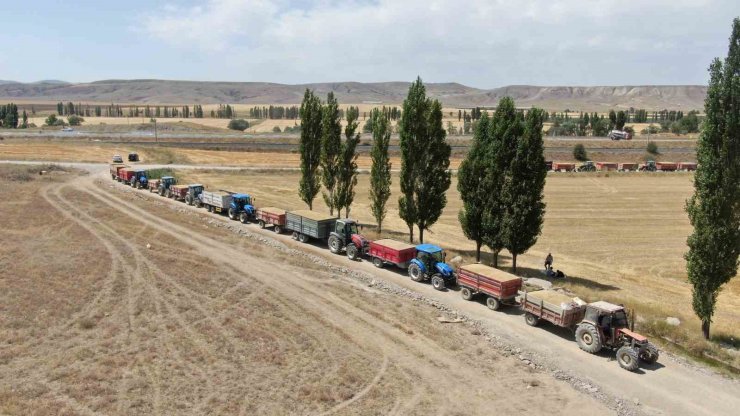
(346,237)
(164,185)
(649,166)
(139,180)
(430,264)
(587,166)
(191,197)
(605,325)
(241,208)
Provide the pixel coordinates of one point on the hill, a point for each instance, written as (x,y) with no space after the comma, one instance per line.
(451,94)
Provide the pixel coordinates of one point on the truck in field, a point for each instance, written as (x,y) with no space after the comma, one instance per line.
(598,325)
(619,135)
(115,171)
(185,192)
(340,234)
(266,216)
(498,286)
(164,184)
(423,262)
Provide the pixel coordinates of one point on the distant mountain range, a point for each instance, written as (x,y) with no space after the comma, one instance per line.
(148,91)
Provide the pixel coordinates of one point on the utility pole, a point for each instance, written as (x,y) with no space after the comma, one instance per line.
(156,139)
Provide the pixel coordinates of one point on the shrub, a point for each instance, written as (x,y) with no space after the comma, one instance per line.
(238,124)
(75,120)
(652,148)
(52,120)
(579,152)
(651,129)
(276,129)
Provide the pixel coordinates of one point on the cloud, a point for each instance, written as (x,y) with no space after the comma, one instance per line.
(494,42)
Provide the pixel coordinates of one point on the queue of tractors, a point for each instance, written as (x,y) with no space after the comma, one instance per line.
(649,166)
(598,325)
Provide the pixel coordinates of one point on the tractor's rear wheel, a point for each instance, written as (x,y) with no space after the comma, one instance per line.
(531,319)
(415,272)
(278,229)
(588,339)
(493,303)
(627,358)
(649,355)
(438,282)
(335,246)
(352,252)
(466,293)
(232,213)
(189,200)
(377,262)
(303,238)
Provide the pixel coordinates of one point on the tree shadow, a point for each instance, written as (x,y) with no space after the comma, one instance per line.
(575,280)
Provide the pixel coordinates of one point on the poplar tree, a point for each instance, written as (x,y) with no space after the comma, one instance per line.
(380,171)
(524,189)
(331,144)
(310,147)
(425,161)
(347,177)
(471,183)
(714,209)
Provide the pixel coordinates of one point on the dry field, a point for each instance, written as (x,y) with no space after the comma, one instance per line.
(619,237)
(207,321)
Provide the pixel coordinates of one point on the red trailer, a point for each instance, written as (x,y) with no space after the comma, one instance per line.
(689,166)
(391,251)
(126,174)
(271,216)
(553,307)
(154,185)
(607,166)
(623,167)
(666,166)
(115,169)
(567,167)
(177,192)
(498,286)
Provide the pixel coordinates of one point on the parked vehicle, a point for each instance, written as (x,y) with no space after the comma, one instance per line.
(566,167)
(340,234)
(115,171)
(498,286)
(117,159)
(133,157)
(269,216)
(429,264)
(163,187)
(619,135)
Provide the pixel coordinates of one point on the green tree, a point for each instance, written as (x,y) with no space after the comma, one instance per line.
(524,189)
(380,171)
(612,119)
(471,183)
(620,120)
(51,120)
(237,124)
(75,120)
(579,152)
(425,159)
(25,120)
(310,147)
(347,177)
(331,146)
(714,209)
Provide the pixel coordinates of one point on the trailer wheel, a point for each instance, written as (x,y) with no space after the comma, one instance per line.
(335,245)
(531,320)
(278,229)
(113,177)
(627,358)
(295,235)
(415,272)
(466,293)
(438,282)
(351,252)
(303,238)
(493,303)
(377,262)
(649,355)
(232,214)
(588,339)
(261,224)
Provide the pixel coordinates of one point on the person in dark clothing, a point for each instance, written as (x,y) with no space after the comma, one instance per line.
(548,262)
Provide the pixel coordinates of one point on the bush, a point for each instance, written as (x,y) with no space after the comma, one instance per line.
(579,152)
(651,129)
(238,124)
(52,120)
(652,148)
(74,120)
(276,129)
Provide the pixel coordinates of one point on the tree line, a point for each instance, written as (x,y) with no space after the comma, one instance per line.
(10,118)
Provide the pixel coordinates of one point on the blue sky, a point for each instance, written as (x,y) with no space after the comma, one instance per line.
(481,43)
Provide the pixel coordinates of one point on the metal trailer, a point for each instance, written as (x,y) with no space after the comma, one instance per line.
(177,192)
(498,286)
(307,224)
(125,174)
(271,216)
(548,305)
(687,166)
(560,166)
(624,167)
(606,166)
(391,251)
(154,185)
(666,166)
(218,202)
(115,170)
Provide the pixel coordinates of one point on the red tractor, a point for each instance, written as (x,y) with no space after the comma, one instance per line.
(606,325)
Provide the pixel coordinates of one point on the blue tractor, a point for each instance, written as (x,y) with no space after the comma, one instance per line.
(241,207)
(429,264)
(139,180)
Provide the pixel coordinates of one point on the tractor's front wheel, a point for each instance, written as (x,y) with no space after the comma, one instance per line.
(588,339)
(493,303)
(189,200)
(232,214)
(466,293)
(438,282)
(243,218)
(335,246)
(649,355)
(415,272)
(352,252)
(627,358)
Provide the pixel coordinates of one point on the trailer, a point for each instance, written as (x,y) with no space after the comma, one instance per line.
(565,167)
(218,202)
(307,224)
(553,307)
(687,166)
(666,166)
(115,169)
(626,167)
(606,166)
(391,252)
(498,286)
(271,216)
(154,185)
(125,174)
(185,193)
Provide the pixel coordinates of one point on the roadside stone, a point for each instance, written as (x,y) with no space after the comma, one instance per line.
(672,321)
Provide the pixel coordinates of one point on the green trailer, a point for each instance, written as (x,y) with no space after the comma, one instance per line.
(307,224)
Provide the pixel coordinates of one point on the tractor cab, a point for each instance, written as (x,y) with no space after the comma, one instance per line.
(346,235)
(429,263)
(164,184)
(139,179)
(194,191)
(649,166)
(241,203)
(608,317)
(587,166)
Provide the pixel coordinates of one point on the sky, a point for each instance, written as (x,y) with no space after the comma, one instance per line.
(480,43)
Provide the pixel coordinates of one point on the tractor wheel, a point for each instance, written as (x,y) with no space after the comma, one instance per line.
(438,282)
(189,200)
(377,262)
(113,177)
(243,218)
(351,252)
(169,193)
(303,238)
(588,339)
(493,303)
(161,192)
(415,272)
(531,319)
(335,246)
(232,214)
(627,358)
(209,208)
(278,229)
(261,223)
(649,355)
(466,293)
(294,236)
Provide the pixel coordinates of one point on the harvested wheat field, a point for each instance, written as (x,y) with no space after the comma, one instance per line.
(114,301)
